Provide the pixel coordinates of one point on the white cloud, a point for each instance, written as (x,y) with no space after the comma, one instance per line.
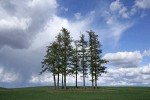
(118,7)
(115,26)
(146,53)
(34,3)
(50,30)
(124,59)
(115,6)
(64,9)
(44,79)
(110,20)
(118,29)
(77,16)
(124,12)
(15,23)
(118,18)
(47,78)
(140,4)
(114,77)
(114,30)
(143,4)
(8,76)
(126,76)
(145,69)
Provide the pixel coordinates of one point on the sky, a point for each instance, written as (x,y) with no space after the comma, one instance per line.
(28,26)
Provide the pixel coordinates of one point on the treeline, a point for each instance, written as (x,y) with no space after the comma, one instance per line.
(66,56)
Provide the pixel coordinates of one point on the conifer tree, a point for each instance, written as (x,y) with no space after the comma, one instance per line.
(59,61)
(96,68)
(75,69)
(83,55)
(67,53)
(91,55)
(50,61)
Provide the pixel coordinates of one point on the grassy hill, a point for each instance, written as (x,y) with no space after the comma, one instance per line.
(102,93)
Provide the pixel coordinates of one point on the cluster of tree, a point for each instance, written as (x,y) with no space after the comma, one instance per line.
(70,57)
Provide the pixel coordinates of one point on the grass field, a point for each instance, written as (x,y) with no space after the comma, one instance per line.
(102,93)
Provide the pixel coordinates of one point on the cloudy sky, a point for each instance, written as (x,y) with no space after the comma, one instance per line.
(28,26)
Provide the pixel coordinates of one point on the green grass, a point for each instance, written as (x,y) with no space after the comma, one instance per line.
(102,93)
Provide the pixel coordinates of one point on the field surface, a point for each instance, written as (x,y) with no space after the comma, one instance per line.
(102,93)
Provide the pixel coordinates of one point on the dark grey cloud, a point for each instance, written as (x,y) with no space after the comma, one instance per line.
(16,38)
(21,21)
(9,6)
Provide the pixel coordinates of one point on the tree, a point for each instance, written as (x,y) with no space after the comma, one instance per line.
(59,60)
(75,62)
(96,68)
(83,54)
(50,61)
(58,57)
(91,55)
(67,52)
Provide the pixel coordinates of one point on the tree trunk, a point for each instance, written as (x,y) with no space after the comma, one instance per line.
(76,78)
(76,67)
(62,81)
(95,79)
(84,81)
(96,83)
(65,60)
(54,81)
(83,78)
(65,80)
(83,65)
(92,79)
(58,79)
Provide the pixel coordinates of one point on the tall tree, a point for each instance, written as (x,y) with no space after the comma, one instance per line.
(67,52)
(96,68)
(75,69)
(59,60)
(83,55)
(91,55)
(50,61)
